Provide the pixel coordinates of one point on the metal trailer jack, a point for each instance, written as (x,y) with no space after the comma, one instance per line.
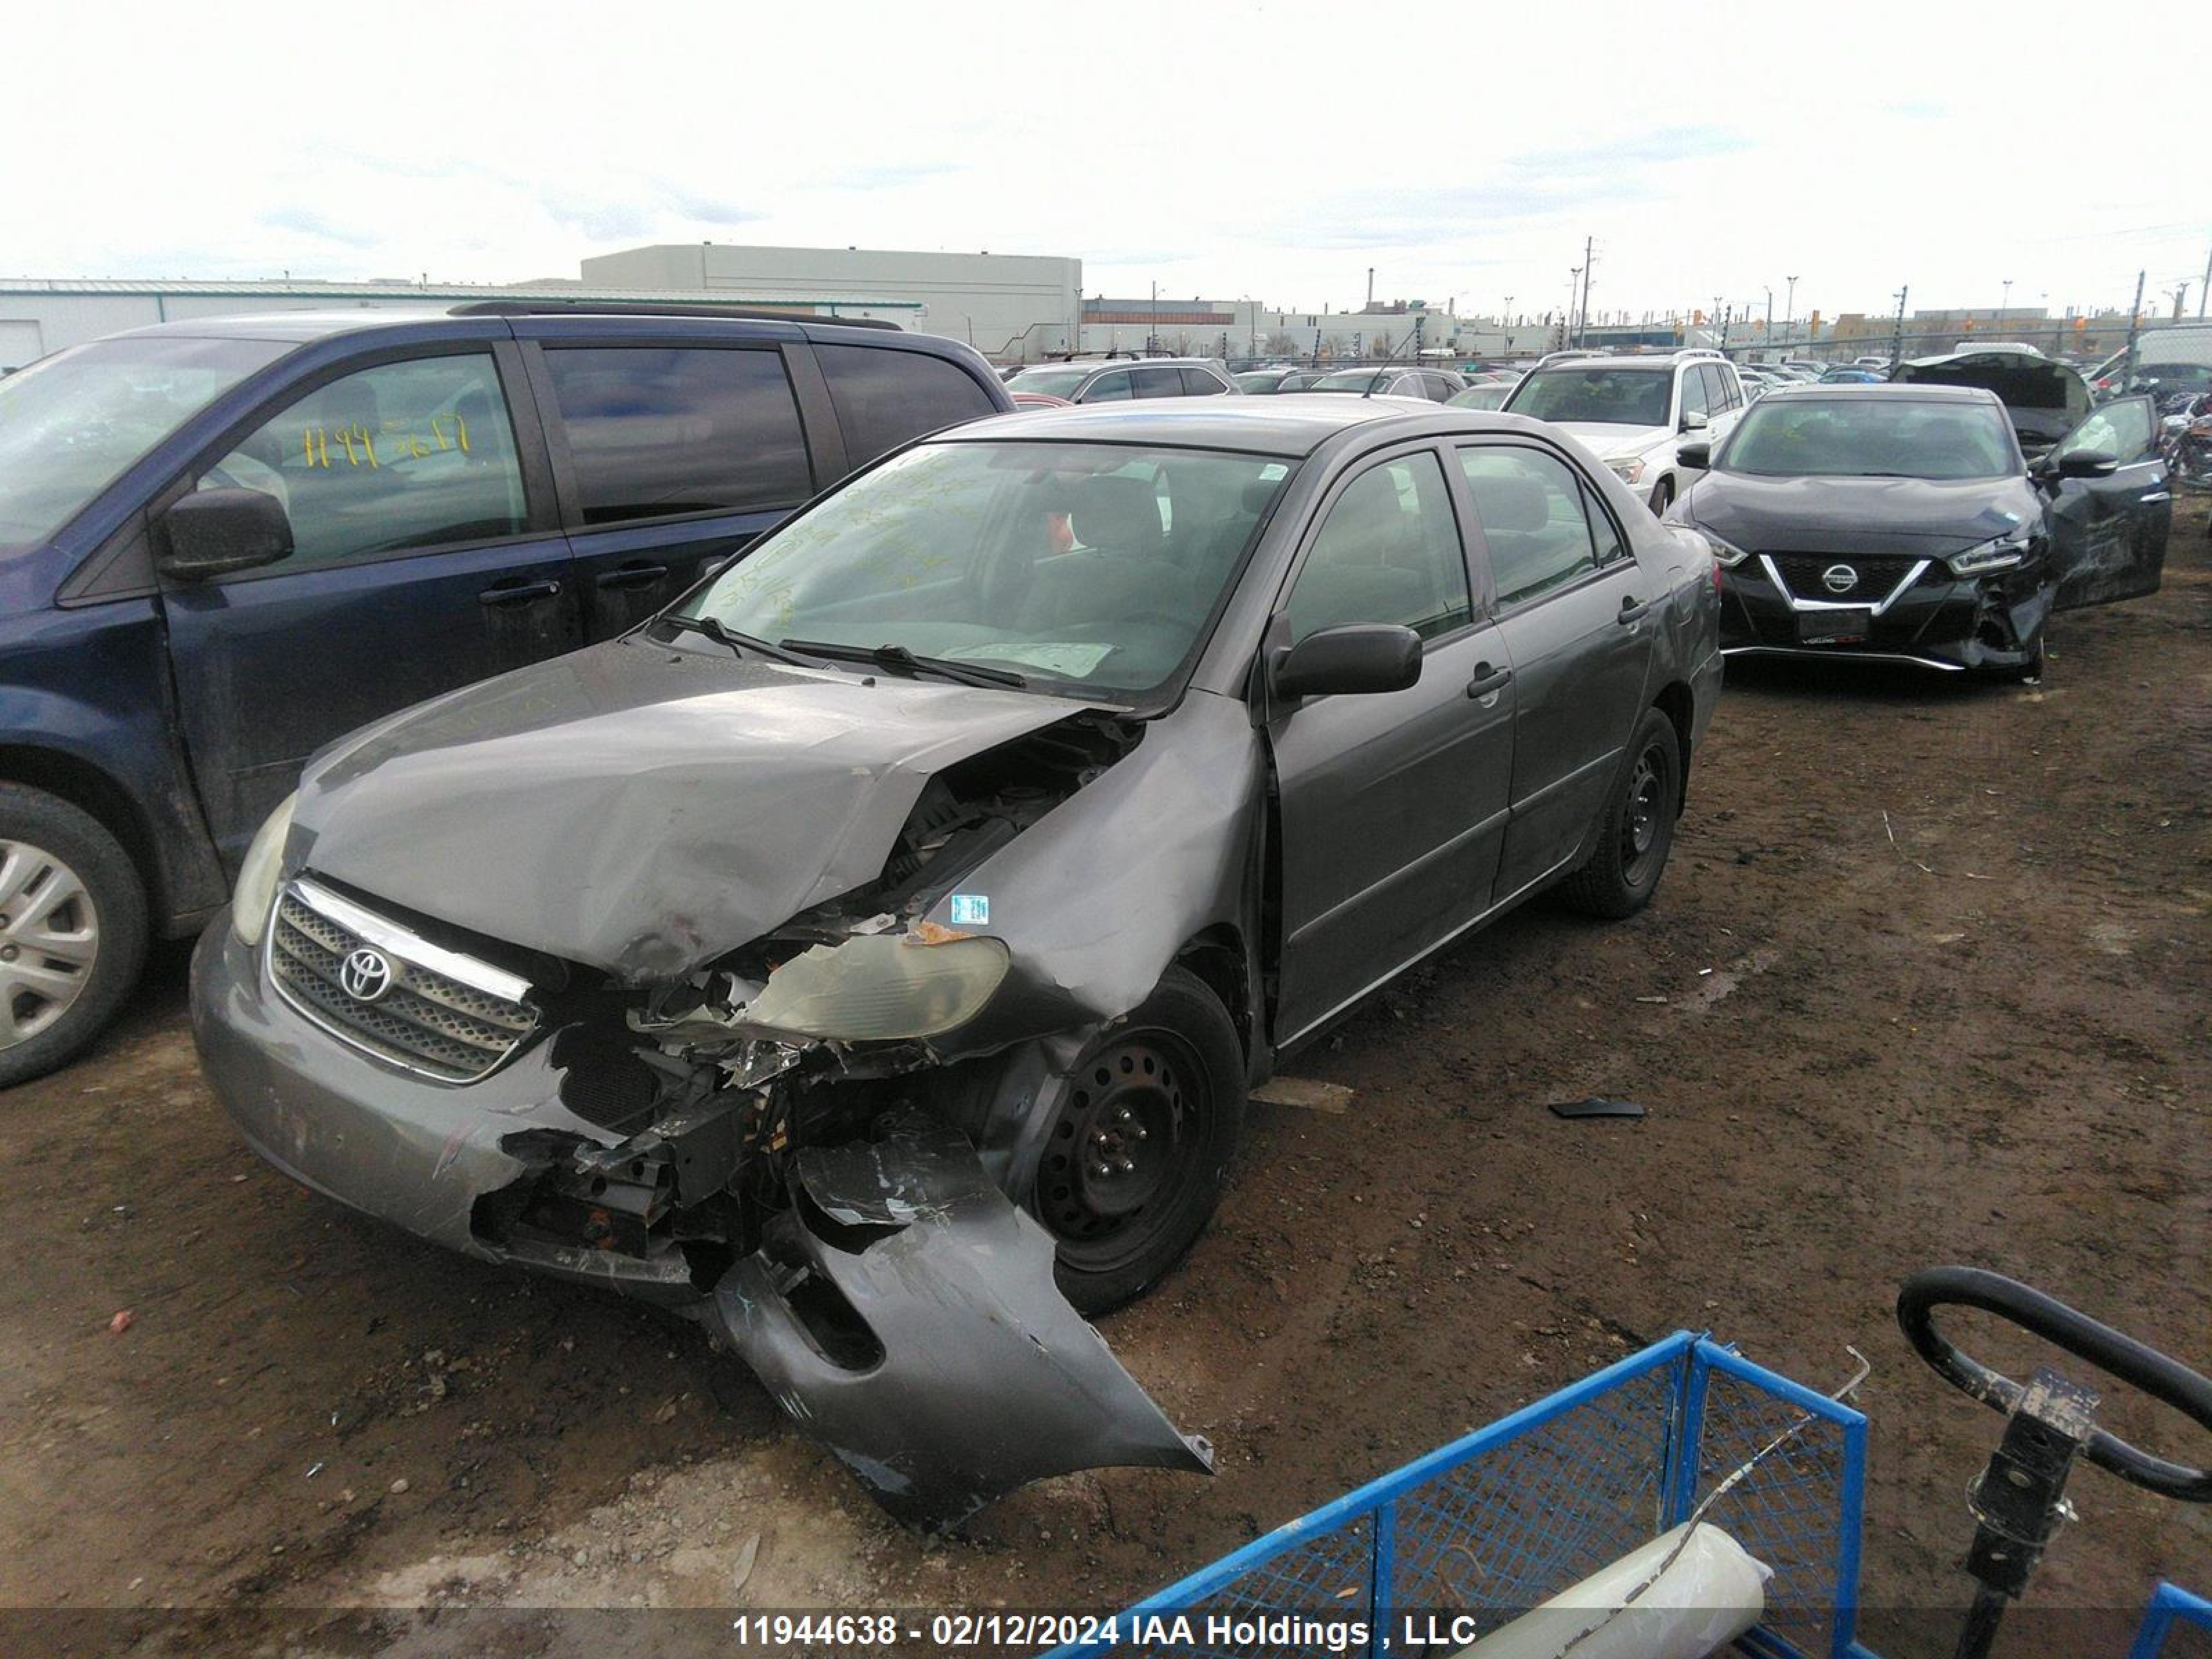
(1678,1502)
(903,1310)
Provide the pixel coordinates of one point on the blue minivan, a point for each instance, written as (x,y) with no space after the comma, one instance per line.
(224,542)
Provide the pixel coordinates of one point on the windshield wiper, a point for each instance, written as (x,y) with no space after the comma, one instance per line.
(731,638)
(898,659)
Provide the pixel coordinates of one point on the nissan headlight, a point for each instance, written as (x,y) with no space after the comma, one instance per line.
(1629,469)
(255,895)
(1999,553)
(1726,552)
(880,988)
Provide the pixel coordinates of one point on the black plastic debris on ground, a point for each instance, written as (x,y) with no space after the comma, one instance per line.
(1596,1107)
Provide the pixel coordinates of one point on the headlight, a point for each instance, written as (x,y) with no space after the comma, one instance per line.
(879,988)
(2000,553)
(1726,552)
(1629,469)
(256,892)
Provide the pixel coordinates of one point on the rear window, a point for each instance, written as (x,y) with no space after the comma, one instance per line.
(658,431)
(885,397)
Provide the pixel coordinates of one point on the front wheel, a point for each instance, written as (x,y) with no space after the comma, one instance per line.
(1638,829)
(1140,1146)
(1663,498)
(72,930)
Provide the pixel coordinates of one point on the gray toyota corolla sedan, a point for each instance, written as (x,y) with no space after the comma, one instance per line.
(869,956)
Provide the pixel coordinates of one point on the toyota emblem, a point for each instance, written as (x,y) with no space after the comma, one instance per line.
(365,975)
(1839,579)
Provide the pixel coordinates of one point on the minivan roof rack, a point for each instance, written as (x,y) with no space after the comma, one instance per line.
(652,308)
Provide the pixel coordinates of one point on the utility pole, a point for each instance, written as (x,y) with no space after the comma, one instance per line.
(1770,313)
(1574,294)
(1897,333)
(2205,287)
(2134,327)
(1370,287)
(1589,259)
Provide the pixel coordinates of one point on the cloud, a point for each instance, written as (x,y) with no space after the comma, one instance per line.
(888,175)
(1662,147)
(306,221)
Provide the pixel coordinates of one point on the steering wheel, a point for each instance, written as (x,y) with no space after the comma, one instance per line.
(2167,1381)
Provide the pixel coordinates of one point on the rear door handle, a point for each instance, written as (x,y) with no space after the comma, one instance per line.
(521,592)
(1633,610)
(631,575)
(1487,679)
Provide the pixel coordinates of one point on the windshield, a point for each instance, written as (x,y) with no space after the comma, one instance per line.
(1054,382)
(1608,397)
(1481,396)
(1353,380)
(1869,437)
(1259,379)
(72,423)
(1091,567)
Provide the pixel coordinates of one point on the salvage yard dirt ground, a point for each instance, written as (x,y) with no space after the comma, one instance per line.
(1960,944)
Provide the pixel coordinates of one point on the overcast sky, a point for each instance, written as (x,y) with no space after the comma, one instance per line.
(1278,150)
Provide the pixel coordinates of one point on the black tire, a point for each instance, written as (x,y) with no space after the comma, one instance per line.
(2026,673)
(1633,838)
(1663,498)
(43,841)
(1121,1218)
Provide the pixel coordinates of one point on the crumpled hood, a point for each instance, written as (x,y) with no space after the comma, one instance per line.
(1608,438)
(1859,516)
(639,808)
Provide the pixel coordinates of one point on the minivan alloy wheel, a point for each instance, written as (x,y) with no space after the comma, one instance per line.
(49,941)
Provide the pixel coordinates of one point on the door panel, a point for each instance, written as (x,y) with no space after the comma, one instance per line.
(1580,647)
(353,625)
(2108,535)
(671,458)
(1392,806)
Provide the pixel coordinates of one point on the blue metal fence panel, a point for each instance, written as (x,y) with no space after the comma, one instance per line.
(1514,1513)
(2173,1609)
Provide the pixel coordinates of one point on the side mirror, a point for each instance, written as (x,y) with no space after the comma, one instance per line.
(2087,464)
(1357,659)
(1697,454)
(213,533)
(1694,421)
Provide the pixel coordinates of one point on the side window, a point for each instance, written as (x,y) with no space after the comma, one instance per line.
(1530,507)
(1721,388)
(1159,380)
(2121,430)
(884,396)
(1109,388)
(1695,400)
(1388,552)
(404,455)
(1603,535)
(657,431)
(1198,383)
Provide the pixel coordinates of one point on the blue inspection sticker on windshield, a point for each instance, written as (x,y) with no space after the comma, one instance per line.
(971,911)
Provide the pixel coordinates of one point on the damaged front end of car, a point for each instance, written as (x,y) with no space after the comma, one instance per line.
(816,1135)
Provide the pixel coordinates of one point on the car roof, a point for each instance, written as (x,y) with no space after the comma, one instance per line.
(1898,392)
(1656,360)
(305,326)
(1127,362)
(1292,423)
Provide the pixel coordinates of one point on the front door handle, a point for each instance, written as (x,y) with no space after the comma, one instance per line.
(631,575)
(1487,679)
(1633,610)
(521,592)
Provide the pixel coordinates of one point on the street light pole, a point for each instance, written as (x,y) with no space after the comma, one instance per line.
(1790,304)
(2007,306)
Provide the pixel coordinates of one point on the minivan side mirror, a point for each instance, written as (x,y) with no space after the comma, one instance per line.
(1699,454)
(1355,659)
(212,533)
(1694,420)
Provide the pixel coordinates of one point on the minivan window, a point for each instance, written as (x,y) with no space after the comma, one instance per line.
(72,423)
(656,431)
(410,454)
(884,398)
(1054,560)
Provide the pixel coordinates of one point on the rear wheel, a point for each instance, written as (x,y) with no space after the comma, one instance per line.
(1139,1149)
(72,930)
(1638,829)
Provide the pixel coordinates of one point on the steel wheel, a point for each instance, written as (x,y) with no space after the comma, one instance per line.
(1119,1153)
(1640,822)
(49,941)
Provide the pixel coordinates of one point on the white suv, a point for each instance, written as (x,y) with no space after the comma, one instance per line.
(1636,411)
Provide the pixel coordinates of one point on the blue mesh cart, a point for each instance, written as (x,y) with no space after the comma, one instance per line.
(1685,1430)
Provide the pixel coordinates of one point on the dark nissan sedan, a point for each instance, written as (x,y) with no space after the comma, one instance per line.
(870,956)
(1902,524)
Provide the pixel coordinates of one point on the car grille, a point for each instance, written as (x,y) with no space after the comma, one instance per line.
(1879,574)
(427,1021)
